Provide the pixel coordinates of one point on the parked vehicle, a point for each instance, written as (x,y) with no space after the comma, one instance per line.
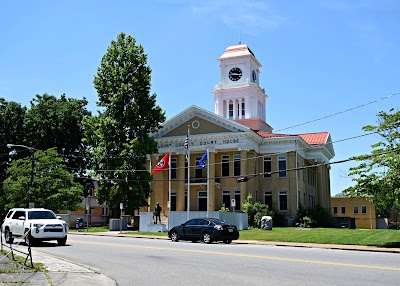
(34,225)
(205,229)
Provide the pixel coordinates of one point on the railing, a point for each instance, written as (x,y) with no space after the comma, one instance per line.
(198,180)
(13,249)
(237,85)
(202,180)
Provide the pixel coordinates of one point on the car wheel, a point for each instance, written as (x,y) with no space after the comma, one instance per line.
(29,240)
(62,241)
(174,236)
(207,237)
(7,236)
(227,241)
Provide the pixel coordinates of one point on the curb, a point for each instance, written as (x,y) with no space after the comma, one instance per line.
(257,242)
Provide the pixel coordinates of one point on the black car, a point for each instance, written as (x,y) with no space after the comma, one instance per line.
(205,229)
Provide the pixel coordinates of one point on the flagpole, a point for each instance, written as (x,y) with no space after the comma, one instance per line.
(169,187)
(188,181)
(208,181)
(151,183)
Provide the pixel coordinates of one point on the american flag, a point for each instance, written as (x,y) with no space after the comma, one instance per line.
(186,145)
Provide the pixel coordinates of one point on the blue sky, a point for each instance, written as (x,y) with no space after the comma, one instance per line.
(319,57)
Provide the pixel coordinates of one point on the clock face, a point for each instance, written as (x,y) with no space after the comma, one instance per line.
(254,76)
(235,74)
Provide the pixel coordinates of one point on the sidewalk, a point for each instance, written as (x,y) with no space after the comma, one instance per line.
(58,272)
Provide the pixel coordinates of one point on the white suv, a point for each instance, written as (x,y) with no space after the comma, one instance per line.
(34,225)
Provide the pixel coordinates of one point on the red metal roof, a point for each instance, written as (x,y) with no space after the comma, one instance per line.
(315,138)
(311,138)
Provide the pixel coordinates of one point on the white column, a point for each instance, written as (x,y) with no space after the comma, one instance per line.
(263,111)
(247,108)
(258,108)
(227,108)
(235,109)
(220,106)
(223,108)
(240,108)
(217,104)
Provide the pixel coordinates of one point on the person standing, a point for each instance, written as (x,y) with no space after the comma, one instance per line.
(157,213)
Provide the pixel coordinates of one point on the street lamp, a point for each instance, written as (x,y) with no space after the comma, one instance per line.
(31,203)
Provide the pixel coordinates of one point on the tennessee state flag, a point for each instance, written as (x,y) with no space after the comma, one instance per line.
(162,165)
(203,160)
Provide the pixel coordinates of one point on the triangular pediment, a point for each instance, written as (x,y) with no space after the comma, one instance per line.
(197,125)
(199,121)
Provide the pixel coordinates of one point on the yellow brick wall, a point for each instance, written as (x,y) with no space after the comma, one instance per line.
(363,220)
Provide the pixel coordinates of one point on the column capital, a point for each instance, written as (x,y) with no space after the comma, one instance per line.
(243,147)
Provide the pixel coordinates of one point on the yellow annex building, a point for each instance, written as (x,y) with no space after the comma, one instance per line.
(274,167)
(363,210)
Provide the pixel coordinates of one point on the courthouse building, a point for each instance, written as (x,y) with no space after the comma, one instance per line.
(274,168)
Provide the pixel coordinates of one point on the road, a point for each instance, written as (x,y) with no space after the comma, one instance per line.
(141,261)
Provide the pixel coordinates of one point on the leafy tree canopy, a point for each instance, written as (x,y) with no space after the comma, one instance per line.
(119,135)
(379,172)
(11,130)
(57,122)
(50,122)
(53,185)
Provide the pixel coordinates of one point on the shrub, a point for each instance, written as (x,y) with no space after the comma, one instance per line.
(320,217)
(305,222)
(256,211)
(394,226)
(224,209)
(280,219)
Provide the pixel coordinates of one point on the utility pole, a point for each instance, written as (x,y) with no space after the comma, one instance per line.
(31,203)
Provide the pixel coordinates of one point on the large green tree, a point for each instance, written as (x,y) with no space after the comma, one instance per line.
(58,122)
(53,185)
(378,173)
(11,130)
(49,122)
(119,134)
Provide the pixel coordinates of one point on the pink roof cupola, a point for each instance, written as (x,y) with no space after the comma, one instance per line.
(238,96)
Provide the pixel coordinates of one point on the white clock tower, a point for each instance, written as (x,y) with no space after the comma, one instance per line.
(238,95)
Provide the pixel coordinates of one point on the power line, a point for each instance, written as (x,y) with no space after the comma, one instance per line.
(271,154)
(340,112)
(248,176)
(230,161)
(290,127)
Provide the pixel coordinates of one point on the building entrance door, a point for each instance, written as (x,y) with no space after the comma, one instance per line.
(202,201)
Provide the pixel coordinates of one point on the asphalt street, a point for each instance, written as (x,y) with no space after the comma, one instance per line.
(62,271)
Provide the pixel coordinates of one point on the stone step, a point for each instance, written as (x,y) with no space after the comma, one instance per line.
(164,219)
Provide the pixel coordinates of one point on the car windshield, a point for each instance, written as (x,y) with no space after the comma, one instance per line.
(41,215)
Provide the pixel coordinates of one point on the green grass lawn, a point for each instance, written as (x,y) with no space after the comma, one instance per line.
(367,237)
(91,229)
